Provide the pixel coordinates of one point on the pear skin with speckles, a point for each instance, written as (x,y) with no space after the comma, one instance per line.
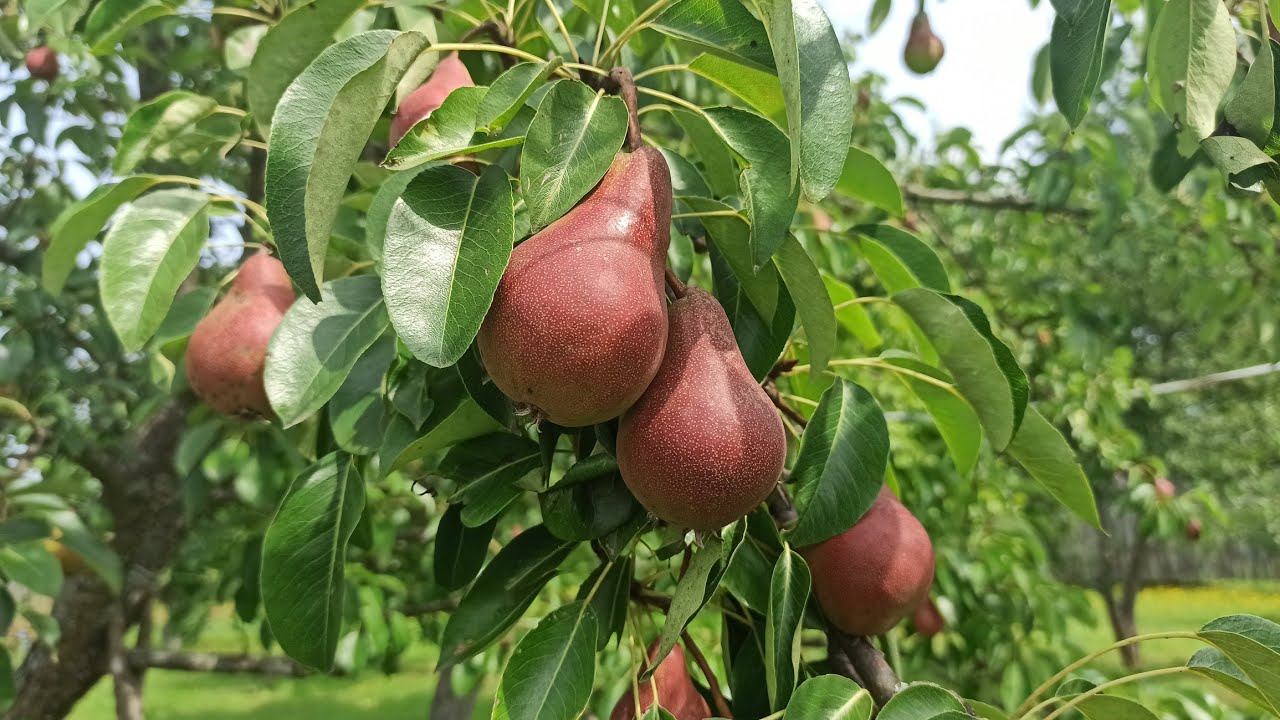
(704,444)
(228,350)
(871,576)
(675,691)
(578,324)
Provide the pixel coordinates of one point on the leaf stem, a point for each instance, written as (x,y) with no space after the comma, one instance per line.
(881,365)
(241,12)
(1108,685)
(250,142)
(229,110)
(660,69)
(589,68)
(670,98)
(564,32)
(640,23)
(713,684)
(866,300)
(1023,709)
(708,213)
(604,21)
(774,716)
(483,47)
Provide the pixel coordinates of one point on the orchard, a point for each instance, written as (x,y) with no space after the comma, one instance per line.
(635,360)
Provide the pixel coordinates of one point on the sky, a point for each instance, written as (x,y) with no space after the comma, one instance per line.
(983,82)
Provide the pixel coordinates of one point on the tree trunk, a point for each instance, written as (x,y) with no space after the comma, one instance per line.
(1120,610)
(142,491)
(448,706)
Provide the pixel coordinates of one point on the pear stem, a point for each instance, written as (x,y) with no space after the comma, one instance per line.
(626,84)
(677,287)
(713,684)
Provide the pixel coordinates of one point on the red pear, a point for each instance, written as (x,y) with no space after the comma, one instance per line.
(923,51)
(1193,529)
(42,62)
(449,75)
(675,691)
(871,576)
(927,619)
(704,445)
(1165,489)
(228,350)
(579,321)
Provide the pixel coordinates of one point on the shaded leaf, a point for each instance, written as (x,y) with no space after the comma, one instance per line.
(1042,451)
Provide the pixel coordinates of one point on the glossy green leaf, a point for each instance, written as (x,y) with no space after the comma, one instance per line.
(151,248)
(697,586)
(813,304)
(830,697)
(155,123)
(505,589)
(725,28)
(550,674)
(788,595)
(1212,664)
(761,338)
(852,316)
(356,414)
(112,19)
(985,371)
(841,463)
(323,121)
(1191,59)
(375,221)
(459,551)
(863,177)
(920,701)
(769,198)
(510,91)
(448,241)
(590,501)
(954,417)
(75,226)
(569,146)
(316,345)
(753,85)
(449,130)
(487,470)
(1042,451)
(612,594)
(1075,53)
(287,49)
(303,559)
(900,259)
(31,565)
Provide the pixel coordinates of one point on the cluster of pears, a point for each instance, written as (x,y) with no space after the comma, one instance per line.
(580,332)
(923,50)
(228,349)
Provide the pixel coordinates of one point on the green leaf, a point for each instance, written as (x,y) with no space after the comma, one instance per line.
(92,549)
(155,123)
(31,565)
(9,609)
(57,16)
(817,315)
(287,49)
(758,88)
(1211,663)
(1041,84)
(955,419)
(569,146)
(455,417)
(865,178)
(1168,167)
(23,529)
(761,338)
(841,463)
(879,13)
(852,316)
(920,701)
(111,19)
(815,81)
(321,126)
(718,165)
(725,28)
(448,241)
(769,198)
(1252,643)
(356,414)
(1110,707)
(187,310)
(900,259)
(731,236)
(449,130)
(985,371)
(509,93)
(303,558)
(1240,161)
(375,221)
(696,587)
(315,346)
(590,501)
(550,674)
(79,222)
(459,551)
(1075,53)
(1252,110)
(612,594)
(830,697)
(1042,451)
(504,590)
(151,248)
(8,688)
(788,595)
(1191,59)
(487,470)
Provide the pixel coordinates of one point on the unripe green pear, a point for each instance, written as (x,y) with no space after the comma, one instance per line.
(228,350)
(871,576)
(42,62)
(923,50)
(704,445)
(578,323)
(675,691)
(449,75)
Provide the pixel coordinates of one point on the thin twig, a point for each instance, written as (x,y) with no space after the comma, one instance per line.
(713,684)
(878,678)
(677,287)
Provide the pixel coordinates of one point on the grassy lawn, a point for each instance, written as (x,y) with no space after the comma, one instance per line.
(173,695)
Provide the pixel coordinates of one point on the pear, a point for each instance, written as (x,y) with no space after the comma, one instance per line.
(1193,529)
(449,75)
(704,444)
(927,619)
(42,62)
(228,350)
(674,691)
(871,576)
(1165,489)
(578,324)
(924,50)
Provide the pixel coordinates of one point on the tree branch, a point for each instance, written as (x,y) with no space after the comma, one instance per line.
(216,663)
(941,196)
(722,707)
(877,677)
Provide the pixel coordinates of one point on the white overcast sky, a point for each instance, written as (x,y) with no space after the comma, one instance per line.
(983,82)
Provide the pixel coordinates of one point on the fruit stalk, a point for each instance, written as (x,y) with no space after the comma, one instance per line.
(873,670)
(626,85)
(713,684)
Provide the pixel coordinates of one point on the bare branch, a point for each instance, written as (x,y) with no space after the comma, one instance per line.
(941,196)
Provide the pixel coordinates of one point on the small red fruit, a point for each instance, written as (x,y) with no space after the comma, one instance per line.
(927,619)
(1193,529)
(42,62)
(1165,489)
(924,50)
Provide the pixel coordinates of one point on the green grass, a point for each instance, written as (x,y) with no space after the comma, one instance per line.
(174,695)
